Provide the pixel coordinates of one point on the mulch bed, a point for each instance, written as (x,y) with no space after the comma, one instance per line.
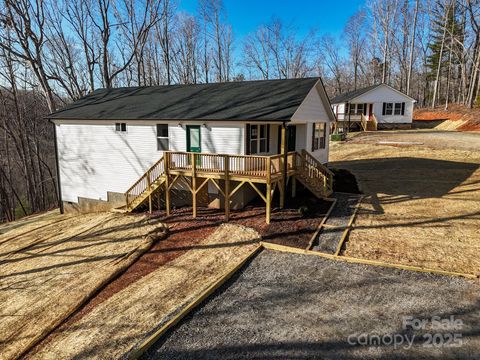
(288,226)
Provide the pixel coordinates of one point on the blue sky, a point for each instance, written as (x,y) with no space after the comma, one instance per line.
(324,16)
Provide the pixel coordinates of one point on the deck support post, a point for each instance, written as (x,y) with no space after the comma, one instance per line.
(283,151)
(194,184)
(268,202)
(167,182)
(226,166)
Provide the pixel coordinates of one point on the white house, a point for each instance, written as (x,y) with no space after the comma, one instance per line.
(388,107)
(107,140)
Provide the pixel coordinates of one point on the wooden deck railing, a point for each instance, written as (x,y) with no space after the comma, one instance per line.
(317,173)
(375,122)
(241,165)
(364,122)
(153,174)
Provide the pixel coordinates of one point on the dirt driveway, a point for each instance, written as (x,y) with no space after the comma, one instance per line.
(422,204)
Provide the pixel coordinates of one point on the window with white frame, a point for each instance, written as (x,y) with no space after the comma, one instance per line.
(360,109)
(393,109)
(351,109)
(120,127)
(397,109)
(258,139)
(319,135)
(162,137)
(388,109)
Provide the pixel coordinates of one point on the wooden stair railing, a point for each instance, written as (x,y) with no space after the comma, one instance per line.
(313,174)
(364,122)
(374,122)
(146,185)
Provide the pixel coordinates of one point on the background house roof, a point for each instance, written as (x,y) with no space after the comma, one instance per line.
(349,96)
(352,94)
(272,100)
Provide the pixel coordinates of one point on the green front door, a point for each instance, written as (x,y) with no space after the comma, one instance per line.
(193,138)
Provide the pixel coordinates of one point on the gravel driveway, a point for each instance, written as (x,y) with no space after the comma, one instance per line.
(291,306)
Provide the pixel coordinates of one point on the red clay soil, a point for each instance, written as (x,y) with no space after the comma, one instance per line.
(455,112)
(435,115)
(287,227)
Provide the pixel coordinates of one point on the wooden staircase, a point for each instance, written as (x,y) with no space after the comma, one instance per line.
(315,176)
(240,168)
(369,124)
(142,190)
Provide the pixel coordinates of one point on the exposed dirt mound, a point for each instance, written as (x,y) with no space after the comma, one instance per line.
(457,117)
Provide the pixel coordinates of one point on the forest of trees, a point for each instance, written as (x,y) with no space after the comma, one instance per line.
(55,51)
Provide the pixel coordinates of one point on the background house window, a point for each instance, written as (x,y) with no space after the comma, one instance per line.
(393,109)
(258,139)
(388,109)
(360,109)
(162,137)
(352,109)
(398,109)
(121,127)
(319,135)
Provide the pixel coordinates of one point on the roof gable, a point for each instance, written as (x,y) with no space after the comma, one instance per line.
(315,106)
(267,100)
(353,95)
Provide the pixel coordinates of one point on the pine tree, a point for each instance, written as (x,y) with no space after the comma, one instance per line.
(447,35)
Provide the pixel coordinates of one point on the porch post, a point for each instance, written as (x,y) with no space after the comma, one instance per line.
(283,151)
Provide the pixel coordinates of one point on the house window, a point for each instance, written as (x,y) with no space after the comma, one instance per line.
(393,108)
(352,109)
(398,109)
(388,108)
(258,139)
(120,127)
(360,109)
(162,137)
(319,135)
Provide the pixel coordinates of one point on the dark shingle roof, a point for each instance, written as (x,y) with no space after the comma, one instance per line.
(245,100)
(352,94)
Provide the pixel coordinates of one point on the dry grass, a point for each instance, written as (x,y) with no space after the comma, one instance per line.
(48,269)
(116,326)
(422,204)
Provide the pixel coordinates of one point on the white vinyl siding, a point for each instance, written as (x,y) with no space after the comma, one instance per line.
(95,159)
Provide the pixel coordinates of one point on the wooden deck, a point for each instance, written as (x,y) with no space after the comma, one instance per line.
(365,123)
(197,169)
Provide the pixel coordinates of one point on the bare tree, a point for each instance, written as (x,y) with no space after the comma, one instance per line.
(354,34)
(24,37)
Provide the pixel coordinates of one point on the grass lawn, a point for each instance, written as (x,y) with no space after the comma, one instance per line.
(422,204)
